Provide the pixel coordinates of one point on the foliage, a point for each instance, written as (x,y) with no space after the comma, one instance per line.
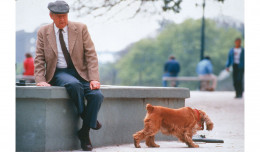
(101,7)
(143,64)
(108,73)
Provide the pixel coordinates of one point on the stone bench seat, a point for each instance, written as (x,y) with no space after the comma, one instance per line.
(186,79)
(47,120)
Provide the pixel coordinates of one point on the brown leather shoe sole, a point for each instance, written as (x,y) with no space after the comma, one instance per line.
(99,125)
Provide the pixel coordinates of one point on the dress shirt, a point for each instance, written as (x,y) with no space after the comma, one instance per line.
(61,59)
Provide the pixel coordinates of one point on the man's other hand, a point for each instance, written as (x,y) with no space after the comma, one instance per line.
(43,84)
(94,85)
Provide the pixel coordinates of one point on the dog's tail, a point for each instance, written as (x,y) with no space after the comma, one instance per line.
(149,108)
(207,120)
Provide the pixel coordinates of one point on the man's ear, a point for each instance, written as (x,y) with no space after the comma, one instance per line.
(51,16)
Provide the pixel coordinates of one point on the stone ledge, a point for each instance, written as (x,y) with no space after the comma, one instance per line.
(55,92)
(47,119)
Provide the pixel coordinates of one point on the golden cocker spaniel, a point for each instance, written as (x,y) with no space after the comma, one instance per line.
(182,123)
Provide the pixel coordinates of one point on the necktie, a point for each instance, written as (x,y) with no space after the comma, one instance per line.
(64,50)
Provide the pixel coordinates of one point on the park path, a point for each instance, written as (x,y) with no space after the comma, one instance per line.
(226,112)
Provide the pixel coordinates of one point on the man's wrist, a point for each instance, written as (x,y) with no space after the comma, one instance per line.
(93,80)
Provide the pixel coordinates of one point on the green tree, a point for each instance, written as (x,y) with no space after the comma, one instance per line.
(108,73)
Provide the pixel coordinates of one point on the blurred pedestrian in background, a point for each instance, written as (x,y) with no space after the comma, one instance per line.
(205,71)
(171,69)
(236,59)
(28,65)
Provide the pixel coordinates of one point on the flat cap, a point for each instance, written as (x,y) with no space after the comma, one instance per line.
(59,7)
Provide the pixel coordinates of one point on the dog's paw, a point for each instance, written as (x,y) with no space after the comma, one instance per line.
(156,146)
(196,146)
(136,145)
(153,146)
(193,146)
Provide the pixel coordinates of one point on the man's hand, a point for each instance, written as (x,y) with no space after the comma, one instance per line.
(43,84)
(227,69)
(94,85)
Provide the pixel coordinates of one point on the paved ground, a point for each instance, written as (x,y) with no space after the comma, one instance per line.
(227,114)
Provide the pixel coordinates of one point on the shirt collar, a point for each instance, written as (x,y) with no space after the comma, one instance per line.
(56,29)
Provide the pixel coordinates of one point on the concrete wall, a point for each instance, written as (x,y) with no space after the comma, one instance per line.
(47,120)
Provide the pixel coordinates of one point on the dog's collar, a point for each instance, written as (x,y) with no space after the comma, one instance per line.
(198,113)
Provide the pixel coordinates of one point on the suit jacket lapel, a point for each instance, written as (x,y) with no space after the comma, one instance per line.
(52,38)
(72,35)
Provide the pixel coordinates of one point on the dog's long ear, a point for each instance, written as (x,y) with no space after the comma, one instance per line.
(149,108)
(207,120)
(202,124)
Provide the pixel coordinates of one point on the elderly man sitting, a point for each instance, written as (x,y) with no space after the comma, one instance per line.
(66,56)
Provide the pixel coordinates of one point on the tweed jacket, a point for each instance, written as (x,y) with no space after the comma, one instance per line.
(81,50)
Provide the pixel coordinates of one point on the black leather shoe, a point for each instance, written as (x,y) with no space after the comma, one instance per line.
(239,96)
(99,125)
(85,142)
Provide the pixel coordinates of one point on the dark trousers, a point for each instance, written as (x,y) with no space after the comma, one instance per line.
(238,79)
(78,89)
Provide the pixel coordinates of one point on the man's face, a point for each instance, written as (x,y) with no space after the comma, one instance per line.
(60,20)
(237,43)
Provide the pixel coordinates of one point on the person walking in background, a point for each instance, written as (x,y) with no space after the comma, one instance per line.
(66,56)
(236,59)
(171,69)
(28,65)
(205,71)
